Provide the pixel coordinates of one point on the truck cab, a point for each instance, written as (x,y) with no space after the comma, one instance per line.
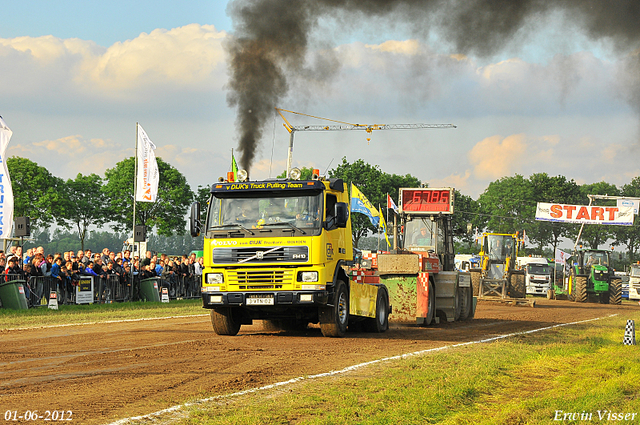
(274,250)
(537,275)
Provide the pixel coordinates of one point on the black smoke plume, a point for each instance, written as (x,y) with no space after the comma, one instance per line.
(271,38)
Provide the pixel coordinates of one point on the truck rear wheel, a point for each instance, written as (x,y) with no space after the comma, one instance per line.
(334,319)
(380,323)
(579,289)
(225,321)
(615,292)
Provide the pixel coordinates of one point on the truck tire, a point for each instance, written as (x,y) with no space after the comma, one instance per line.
(380,323)
(517,287)
(225,321)
(579,289)
(615,292)
(466,304)
(475,283)
(335,318)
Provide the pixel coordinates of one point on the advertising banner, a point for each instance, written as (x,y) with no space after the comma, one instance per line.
(578,214)
(6,192)
(148,175)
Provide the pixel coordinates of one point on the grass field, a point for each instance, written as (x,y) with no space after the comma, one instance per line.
(92,313)
(574,374)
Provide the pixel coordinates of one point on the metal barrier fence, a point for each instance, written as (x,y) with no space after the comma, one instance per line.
(113,288)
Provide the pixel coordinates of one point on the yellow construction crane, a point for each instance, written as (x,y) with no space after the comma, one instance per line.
(369,128)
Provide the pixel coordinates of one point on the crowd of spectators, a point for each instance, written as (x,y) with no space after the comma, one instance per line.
(69,266)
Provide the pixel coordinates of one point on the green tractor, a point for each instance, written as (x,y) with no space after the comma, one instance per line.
(593,277)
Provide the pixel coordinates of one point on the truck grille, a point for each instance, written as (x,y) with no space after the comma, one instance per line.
(289,254)
(260,279)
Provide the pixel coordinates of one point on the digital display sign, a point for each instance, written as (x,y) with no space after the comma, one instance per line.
(426,201)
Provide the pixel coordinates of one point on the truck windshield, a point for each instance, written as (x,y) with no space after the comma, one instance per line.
(635,271)
(538,269)
(298,211)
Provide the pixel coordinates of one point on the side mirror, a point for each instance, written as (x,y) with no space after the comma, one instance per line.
(342,214)
(194,220)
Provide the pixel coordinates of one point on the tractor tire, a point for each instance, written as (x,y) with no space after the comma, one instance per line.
(579,289)
(475,283)
(431,310)
(225,321)
(335,318)
(615,292)
(380,323)
(517,287)
(466,300)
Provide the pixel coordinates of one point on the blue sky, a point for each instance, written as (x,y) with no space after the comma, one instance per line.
(75,77)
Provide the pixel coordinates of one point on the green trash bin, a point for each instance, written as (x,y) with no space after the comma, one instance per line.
(13,296)
(149,289)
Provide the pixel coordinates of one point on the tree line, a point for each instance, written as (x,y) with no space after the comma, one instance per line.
(507,205)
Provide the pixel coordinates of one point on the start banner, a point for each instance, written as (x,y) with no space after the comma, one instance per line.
(579,214)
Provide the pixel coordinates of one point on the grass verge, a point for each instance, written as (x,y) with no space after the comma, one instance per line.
(528,379)
(74,314)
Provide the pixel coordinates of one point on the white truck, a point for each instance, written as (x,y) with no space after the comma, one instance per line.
(537,274)
(634,282)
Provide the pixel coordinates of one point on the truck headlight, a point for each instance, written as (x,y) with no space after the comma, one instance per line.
(215,278)
(307,276)
(210,289)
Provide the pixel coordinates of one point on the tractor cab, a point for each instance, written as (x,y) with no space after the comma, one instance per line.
(596,264)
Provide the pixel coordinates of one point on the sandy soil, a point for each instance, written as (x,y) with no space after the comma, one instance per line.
(105,372)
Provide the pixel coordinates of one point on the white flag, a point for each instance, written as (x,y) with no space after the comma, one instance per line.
(148,175)
(6,192)
(525,238)
(561,257)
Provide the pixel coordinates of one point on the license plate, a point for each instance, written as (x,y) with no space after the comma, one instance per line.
(260,300)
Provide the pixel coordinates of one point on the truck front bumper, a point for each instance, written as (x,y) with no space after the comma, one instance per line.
(265,299)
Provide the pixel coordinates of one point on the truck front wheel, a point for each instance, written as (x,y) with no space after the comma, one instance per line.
(225,321)
(334,318)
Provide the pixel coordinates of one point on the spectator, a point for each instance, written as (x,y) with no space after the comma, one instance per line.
(28,256)
(13,271)
(80,257)
(87,257)
(198,266)
(147,259)
(56,270)
(126,257)
(3,264)
(47,265)
(159,267)
(89,270)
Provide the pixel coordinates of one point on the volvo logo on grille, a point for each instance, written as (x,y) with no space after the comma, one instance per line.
(260,255)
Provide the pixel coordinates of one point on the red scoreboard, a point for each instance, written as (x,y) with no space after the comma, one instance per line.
(426,201)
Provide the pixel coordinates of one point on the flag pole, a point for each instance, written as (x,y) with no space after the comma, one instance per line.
(135,194)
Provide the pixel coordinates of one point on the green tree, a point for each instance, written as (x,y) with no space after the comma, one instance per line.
(375,185)
(87,205)
(553,190)
(464,214)
(506,204)
(629,236)
(37,194)
(166,215)
(595,235)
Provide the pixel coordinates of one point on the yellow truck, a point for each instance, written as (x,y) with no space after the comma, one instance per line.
(278,250)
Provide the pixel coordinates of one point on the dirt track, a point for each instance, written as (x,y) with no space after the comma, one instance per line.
(105,372)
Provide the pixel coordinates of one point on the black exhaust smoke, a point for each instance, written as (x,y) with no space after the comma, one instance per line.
(271,38)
